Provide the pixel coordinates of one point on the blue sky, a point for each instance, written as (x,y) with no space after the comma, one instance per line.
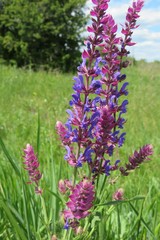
(147,36)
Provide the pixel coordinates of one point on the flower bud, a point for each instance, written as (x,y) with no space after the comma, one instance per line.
(62,186)
(118,195)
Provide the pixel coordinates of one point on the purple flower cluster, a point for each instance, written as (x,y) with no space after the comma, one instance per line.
(81,200)
(94,128)
(96,116)
(137,158)
(31,165)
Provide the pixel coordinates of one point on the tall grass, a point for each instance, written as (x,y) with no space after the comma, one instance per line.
(30,105)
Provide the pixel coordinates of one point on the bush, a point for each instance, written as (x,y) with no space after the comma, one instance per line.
(42,33)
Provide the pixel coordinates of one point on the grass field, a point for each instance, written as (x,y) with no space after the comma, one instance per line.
(30,105)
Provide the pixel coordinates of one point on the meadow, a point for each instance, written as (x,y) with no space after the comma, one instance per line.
(30,104)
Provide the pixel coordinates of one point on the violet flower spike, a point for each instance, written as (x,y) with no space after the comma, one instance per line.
(94,128)
(81,201)
(137,158)
(31,165)
(83,126)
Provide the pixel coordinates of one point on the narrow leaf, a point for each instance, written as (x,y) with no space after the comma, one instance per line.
(143,221)
(55,194)
(12,162)
(121,201)
(38,134)
(12,220)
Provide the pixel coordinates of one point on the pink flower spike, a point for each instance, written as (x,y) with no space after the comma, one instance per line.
(62,132)
(31,165)
(81,200)
(137,158)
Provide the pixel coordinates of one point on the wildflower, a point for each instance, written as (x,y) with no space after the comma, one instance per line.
(94,128)
(137,158)
(62,186)
(118,195)
(81,200)
(130,23)
(62,132)
(31,165)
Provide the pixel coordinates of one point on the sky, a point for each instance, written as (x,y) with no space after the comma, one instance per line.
(147,36)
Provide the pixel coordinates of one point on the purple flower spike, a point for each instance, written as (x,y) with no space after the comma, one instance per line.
(130,23)
(81,200)
(137,158)
(32,165)
(93,130)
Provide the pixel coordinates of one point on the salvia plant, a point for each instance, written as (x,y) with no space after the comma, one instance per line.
(93,132)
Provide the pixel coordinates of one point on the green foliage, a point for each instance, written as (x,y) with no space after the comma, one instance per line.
(41,33)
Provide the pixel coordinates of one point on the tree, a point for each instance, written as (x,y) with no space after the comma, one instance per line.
(41,32)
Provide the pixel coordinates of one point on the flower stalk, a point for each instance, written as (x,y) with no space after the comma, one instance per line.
(31,165)
(94,128)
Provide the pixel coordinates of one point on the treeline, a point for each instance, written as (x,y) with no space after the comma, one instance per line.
(41,33)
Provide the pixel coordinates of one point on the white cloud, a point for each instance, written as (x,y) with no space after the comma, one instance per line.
(150,16)
(148,50)
(147,34)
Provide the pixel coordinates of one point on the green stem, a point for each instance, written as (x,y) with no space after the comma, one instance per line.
(104,181)
(119,222)
(64,235)
(75,175)
(89,175)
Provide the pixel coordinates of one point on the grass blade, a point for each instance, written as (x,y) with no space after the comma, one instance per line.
(26,212)
(121,201)
(143,221)
(38,134)
(12,220)
(12,162)
(55,195)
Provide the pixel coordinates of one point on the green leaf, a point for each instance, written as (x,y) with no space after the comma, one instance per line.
(38,134)
(12,162)
(13,220)
(94,220)
(121,201)
(143,221)
(157,230)
(55,195)
(26,211)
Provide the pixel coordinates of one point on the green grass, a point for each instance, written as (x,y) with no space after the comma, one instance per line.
(25,97)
